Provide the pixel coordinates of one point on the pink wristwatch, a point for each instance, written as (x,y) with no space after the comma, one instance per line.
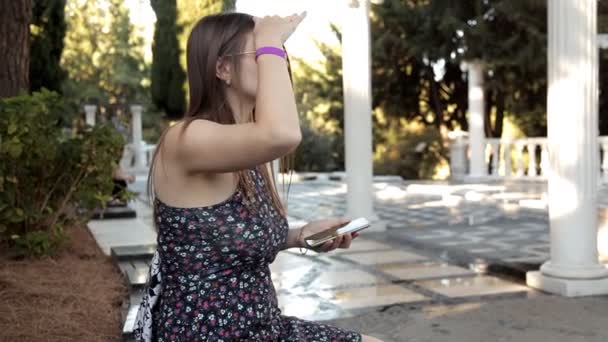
(270,50)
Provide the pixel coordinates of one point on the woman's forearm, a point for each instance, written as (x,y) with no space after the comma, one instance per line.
(275,105)
(293,237)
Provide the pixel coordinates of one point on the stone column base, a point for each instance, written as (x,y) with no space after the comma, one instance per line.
(567,287)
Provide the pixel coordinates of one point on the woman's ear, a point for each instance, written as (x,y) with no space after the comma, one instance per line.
(223,71)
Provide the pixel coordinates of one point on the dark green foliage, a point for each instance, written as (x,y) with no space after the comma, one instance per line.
(316,151)
(229,5)
(319,98)
(603,99)
(411,152)
(49,171)
(46,44)
(420,46)
(167,76)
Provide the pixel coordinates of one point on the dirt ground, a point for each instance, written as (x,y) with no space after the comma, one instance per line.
(74,296)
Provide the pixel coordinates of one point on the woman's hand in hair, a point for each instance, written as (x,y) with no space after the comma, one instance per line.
(275,30)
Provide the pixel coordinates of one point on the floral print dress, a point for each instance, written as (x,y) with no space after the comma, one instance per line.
(210,277)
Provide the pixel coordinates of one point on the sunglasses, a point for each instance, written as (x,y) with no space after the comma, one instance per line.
(239,54)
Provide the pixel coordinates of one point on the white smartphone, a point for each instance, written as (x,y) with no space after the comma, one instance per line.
(330,234)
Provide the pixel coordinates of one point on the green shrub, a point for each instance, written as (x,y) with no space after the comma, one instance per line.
(410,150)
(317,151)
(51,176)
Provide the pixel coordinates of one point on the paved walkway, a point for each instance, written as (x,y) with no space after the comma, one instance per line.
(545,318)
(503,225)
(374,275)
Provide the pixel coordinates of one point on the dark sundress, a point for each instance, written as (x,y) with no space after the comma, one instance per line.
(210,277)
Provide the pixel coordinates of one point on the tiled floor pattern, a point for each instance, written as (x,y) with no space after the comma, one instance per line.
(370,275)
(504,221)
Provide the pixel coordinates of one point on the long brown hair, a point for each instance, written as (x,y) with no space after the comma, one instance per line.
(211,38)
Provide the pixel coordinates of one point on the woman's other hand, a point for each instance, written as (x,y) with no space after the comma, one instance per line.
(341,241)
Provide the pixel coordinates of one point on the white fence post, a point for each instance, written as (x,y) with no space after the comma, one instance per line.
(531,160)
(138,144)
(458,155)
(90,114)
(506,155)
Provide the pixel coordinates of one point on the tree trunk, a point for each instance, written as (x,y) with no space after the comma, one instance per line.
(500,114)
(15,16)
(435,98)
(495,101)
(487,116)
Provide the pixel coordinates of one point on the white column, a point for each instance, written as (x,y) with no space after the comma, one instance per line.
(356,64)
(138,144)
(90,114)
(572,127)
(477,135)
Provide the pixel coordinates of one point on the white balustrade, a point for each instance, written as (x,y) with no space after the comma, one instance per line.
(505,158)
(90,114)
(128,162)
(518,158)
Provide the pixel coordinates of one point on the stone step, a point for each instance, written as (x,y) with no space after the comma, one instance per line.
(129,324)
(121,232)
(121,253)
(135,271)
(114,213)
(129,313)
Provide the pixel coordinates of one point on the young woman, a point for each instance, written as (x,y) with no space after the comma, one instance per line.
(218,215)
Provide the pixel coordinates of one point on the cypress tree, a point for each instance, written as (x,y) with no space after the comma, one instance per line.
(167,76)
(229,5)
(48,28)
